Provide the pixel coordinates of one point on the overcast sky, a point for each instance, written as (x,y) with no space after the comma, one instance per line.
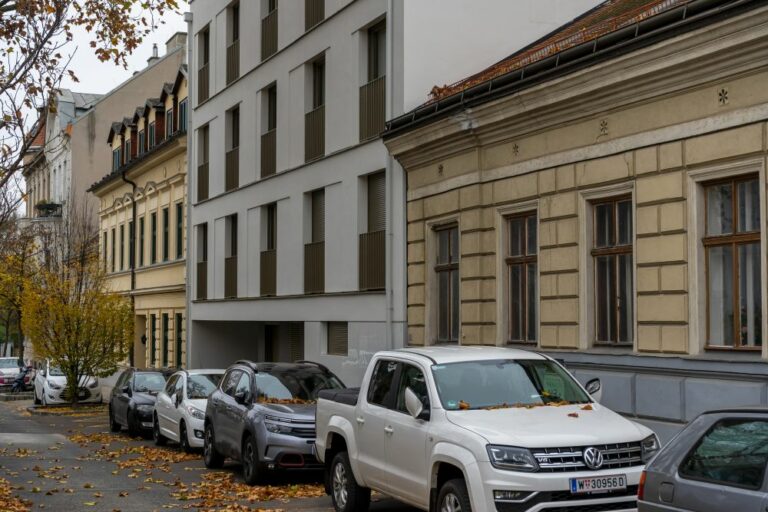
(101,77)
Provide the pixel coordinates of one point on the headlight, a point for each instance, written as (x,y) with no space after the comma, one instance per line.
(93,384)
(515,459)
(195,412)
(650,447)
(276,428)
(145,408)
(53,385)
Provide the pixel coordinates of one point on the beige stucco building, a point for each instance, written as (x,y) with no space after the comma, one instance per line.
(142,218)
(602,197)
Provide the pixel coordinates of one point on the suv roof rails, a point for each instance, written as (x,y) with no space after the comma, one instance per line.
(321,366)
(250,364)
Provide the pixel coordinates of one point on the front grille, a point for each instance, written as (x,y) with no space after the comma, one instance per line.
(304,433)
(569,496)
(619,455)
(601,507)
(82,394)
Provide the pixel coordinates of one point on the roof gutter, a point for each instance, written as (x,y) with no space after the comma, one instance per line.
(676,21)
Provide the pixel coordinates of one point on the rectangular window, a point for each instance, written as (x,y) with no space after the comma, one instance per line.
(338,338)
(105,251)
(128,151)
(377,51)
(232,246)
(271,227)
(202,237)
(166,234)
(522,275)
(115,159)
(169,122)
(131,245)
(318,83)
(141,242)
(377,210)
(234,128)
(271,108)
(204,144)
(152,340)
(179,340)
(382,382)
(612,259)
(183,115)
(142,142)
(235,13)
(152,135)
(447,275)
(114,240)
(179,230)
(202,262)
(164,348)
(271,5)
(153,239)
(318,215)
(732,258)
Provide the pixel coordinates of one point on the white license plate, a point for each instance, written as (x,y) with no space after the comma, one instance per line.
(595,484)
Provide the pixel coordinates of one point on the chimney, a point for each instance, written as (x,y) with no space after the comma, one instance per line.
(154,56)
(177,40)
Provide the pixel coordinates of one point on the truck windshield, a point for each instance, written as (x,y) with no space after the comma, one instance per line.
(498,384)
(294,386)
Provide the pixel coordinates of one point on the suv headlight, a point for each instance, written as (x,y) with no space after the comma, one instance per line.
(650,446)
(94,383)
(195,413)
(276,428)
(53,385)
(145,408)
(511,458)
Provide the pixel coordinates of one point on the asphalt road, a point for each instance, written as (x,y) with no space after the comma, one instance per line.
(72,462)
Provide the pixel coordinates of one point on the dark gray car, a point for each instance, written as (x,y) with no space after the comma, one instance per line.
(263,415)
(716,464)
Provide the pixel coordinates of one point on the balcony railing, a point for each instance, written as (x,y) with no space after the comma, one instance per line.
(269,35)
(372,100)
(48,210)
(314,134)
(230,277)
(314,13)
(232,169)
(202,182)
(269,153)
(268,272)
(372,254)
(202,280)
(233,61)
(202,83)
(314,267)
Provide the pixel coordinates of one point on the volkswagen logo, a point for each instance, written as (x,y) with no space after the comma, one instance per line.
(593,458)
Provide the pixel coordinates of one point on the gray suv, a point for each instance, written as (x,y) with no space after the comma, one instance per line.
(263,415)
(717,463)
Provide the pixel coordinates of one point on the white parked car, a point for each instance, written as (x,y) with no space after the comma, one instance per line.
(9,370)
(478,428)
(180,407)
(51,387)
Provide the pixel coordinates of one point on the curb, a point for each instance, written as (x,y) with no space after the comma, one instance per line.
(58,409)
(15,397)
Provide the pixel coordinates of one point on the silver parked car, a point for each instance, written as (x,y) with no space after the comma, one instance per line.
(716,464)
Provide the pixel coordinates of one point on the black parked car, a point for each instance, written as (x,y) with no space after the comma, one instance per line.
(133,399)
(263,415)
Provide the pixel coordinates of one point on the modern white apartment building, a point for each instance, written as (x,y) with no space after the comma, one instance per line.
(297,212)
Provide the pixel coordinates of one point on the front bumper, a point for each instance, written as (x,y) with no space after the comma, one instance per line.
(58,396)
(551,491)
(289,452)
(195,432)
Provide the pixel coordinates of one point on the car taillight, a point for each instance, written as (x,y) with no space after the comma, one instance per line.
(641,487)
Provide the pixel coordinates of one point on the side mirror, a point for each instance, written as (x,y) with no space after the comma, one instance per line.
(595,389)
(42,372)
(127,390)
(241,397)
(415,406)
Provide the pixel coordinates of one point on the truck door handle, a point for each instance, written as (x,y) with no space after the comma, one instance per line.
(388,429)
(360,420)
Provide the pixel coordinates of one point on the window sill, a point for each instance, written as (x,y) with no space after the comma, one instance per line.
(716,348)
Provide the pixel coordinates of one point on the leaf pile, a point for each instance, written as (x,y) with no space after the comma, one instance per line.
(9,502)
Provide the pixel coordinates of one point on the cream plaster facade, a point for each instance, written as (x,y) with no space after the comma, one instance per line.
(652,124)
(149,190)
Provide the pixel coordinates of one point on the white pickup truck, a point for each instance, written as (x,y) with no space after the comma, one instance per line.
(471,428)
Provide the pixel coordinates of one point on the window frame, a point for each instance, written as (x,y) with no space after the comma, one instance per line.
(733,241)
(439,268)
(328,327)
(617,250)
(387,401)
(525,260)
(153,238)
(179,230)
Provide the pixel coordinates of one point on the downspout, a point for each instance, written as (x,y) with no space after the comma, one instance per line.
(389,182)
(132,258)
(191,93)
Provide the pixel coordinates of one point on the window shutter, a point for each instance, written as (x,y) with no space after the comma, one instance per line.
(338,338)
(318,215)
(296,340)
(377,213)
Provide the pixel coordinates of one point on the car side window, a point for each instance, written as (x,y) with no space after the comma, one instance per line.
(121,380)
(412,377)
(230,382)
(178,388)
(734,452)
(244,385)
(382,382)
(169,386)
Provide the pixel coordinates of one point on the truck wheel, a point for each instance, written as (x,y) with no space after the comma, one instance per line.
(212,458)
(454,497)
(346,494)
(250,456)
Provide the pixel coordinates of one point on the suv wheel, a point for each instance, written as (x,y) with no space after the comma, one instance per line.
(212,458)
(454,497)
(114,426)
(156,434)
(346,494)
(250,455)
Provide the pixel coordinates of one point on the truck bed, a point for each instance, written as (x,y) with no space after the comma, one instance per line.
(343,396)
